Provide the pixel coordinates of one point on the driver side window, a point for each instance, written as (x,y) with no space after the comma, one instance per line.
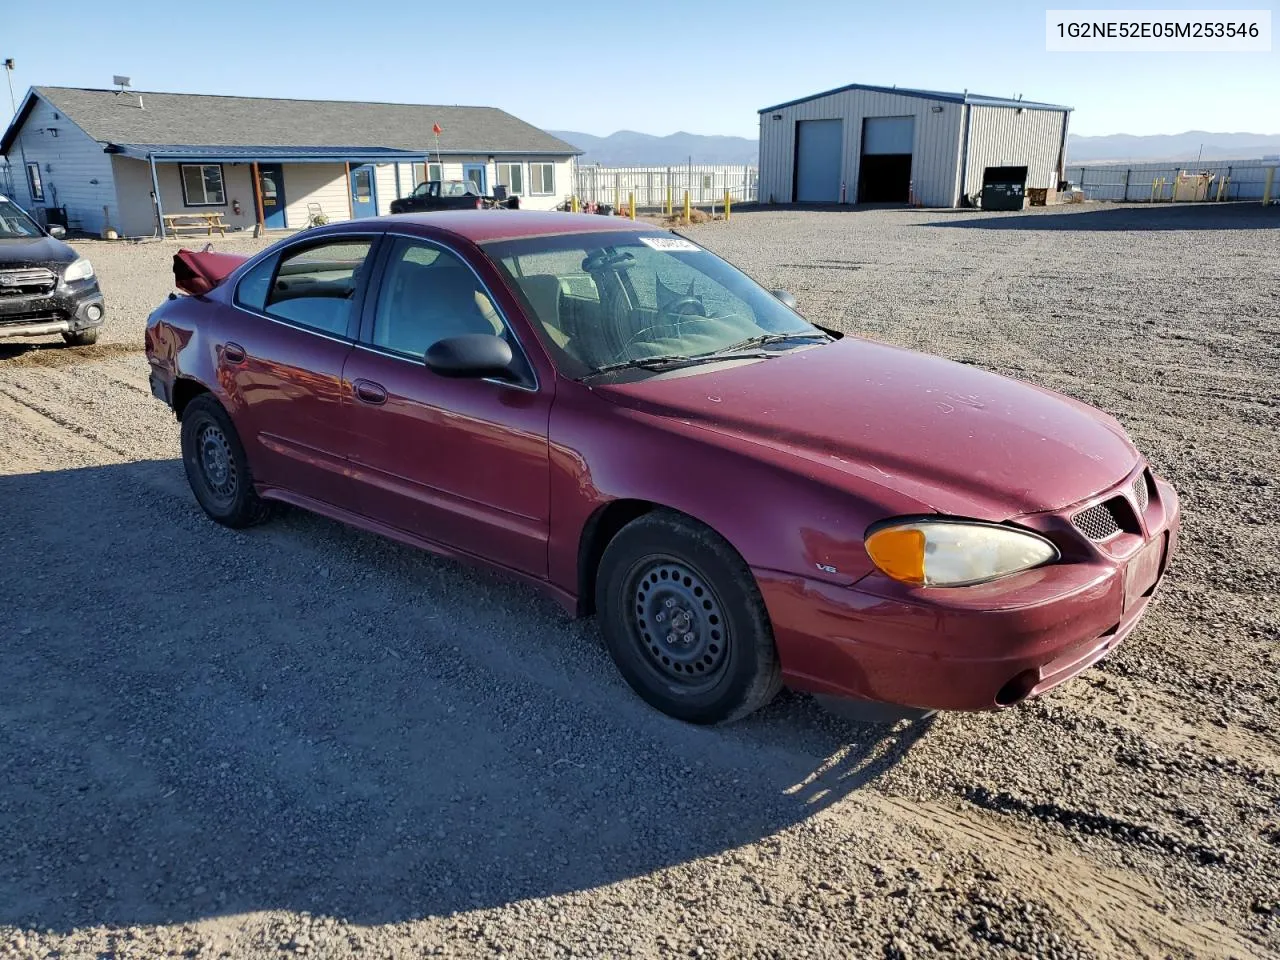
(429,294)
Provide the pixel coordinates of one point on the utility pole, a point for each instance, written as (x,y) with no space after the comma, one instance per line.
(22,150)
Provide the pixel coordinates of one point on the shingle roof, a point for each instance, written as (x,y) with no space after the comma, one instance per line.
(976,99)
(185,118)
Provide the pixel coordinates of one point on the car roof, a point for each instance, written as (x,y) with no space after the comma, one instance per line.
(482,226)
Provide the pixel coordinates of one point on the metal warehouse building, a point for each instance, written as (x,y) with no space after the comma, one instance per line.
(863,144)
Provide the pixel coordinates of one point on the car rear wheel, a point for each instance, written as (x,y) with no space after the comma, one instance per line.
(684,621)
(217,468)
(85,338)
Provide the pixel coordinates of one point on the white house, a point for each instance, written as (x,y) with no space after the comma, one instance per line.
(121,159)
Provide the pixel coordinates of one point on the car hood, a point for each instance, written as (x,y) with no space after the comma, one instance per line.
(958,439)
(34,252)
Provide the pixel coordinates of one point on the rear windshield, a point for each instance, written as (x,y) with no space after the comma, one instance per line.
(604,298)
(459,188)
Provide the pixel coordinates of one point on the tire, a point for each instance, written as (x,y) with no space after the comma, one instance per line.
(716,661)
(85,338)
(217,467)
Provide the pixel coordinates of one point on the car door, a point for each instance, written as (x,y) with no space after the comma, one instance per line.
(294,319)
(461,462)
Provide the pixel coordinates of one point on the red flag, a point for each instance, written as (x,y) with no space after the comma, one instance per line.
(435,128)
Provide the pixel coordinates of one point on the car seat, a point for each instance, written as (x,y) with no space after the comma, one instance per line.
(427,304)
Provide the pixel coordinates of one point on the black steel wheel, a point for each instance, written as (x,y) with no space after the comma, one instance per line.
(678,622)
(216,466)
(684,621)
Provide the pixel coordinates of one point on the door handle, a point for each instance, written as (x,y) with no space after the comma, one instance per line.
(233,352)
(369,392)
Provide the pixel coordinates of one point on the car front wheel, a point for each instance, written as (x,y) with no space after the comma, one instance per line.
(84,338)
(684,621)
(217,468)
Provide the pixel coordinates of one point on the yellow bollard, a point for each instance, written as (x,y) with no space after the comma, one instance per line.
(728,205)
(576,207)
(631,205)
(1266,190)
(688,214)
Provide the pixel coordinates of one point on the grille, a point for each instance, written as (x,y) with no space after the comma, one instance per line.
(26,281)
(1140,492)
(1099,522)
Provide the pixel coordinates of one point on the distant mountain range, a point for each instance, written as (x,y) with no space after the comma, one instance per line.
(1171,146)
(628,148)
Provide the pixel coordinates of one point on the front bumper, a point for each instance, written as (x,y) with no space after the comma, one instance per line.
(981,647)
(38,316)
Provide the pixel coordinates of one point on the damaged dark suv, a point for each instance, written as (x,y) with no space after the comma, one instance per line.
(45,286)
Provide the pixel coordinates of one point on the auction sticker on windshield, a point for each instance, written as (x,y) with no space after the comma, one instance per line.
(670,244)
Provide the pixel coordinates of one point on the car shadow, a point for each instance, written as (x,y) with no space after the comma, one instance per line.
(58,353)
(198,722)
(1107,217)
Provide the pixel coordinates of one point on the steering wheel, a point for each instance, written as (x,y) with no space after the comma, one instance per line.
(676,308)
(624,352)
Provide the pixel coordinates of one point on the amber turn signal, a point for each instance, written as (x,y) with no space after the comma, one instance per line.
(899,553)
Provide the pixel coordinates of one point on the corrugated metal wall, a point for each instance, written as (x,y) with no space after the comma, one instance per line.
(936,150)
(1003,137)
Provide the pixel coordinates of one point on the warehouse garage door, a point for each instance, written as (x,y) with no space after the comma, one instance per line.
(818,152)
(884,173)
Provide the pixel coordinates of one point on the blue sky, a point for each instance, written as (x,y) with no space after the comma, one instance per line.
(651,65)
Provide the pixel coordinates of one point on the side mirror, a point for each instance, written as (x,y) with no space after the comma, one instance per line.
(476,355)
(785,297)
(57,231)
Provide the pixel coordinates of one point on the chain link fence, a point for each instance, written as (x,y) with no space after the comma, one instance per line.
(1145,182)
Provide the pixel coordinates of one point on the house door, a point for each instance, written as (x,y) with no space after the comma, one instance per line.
(475,173)
(364,193)
(271,189)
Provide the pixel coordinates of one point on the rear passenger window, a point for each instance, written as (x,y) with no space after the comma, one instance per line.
(316,287)
(252,291)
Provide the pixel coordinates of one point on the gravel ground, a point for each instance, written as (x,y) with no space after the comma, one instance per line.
(304,739)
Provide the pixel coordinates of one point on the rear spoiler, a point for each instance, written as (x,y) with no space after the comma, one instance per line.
(198,272)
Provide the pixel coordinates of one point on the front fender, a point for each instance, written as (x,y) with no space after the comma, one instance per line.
(774,509)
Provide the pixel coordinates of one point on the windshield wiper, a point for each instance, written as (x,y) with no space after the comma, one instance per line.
(765,339)
(663,361)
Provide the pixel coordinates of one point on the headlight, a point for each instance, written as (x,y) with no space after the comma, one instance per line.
(81,269)
(943,553)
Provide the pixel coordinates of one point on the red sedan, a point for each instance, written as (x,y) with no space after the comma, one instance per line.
(619,416)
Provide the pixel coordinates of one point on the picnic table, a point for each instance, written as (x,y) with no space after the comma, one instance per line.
(208,222)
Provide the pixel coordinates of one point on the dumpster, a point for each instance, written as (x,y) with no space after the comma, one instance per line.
(1002,196)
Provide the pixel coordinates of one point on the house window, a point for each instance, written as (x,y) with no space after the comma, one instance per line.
(542,179)
(202,185)
(34,181)
(427,171)
(511,176)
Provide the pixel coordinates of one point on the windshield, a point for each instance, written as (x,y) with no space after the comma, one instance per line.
(608,299)
(14,224)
